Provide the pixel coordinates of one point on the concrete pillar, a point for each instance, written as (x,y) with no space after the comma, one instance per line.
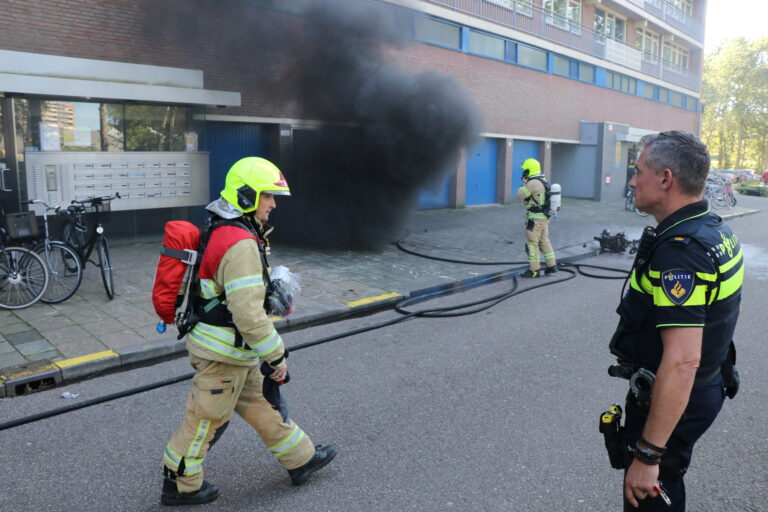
(504,172)
(545,158)
(458,191)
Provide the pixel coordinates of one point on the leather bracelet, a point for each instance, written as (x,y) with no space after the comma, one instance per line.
(659,449)
(647,457)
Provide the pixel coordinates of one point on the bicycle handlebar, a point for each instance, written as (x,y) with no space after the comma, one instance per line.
(97,200)
(40,201)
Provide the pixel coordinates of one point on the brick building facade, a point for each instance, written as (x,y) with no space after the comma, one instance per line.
(575,86)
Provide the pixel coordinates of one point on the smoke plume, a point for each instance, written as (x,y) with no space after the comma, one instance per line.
(386,133)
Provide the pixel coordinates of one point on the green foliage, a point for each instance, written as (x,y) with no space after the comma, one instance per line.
(752,190)
(735,97)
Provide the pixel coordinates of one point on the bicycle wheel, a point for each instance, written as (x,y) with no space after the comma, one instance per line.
(23,277)
(106,266)
(65,271)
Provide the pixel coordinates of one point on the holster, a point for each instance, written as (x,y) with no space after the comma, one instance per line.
(529,225)
(618,451)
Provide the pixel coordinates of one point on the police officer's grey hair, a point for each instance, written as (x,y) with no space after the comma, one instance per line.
(681,152)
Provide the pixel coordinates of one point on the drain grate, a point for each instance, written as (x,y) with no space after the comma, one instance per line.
(30,378)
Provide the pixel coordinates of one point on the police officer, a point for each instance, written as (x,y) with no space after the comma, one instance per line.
(233,336)
(533,192)
(677,319)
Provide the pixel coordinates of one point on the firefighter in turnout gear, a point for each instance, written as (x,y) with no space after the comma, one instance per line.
(534,193)
(232,339)
(676,321)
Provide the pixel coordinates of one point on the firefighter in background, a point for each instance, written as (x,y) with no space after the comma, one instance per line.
(233,336)
(533,193)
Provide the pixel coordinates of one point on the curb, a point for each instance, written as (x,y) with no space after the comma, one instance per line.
(42,375)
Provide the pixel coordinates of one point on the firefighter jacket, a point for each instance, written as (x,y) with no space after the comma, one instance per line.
(533,194)
(693,278)
(231,272)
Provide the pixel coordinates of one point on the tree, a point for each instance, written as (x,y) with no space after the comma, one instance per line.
(735,95)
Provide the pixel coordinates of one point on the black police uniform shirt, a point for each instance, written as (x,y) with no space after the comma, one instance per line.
(683,286)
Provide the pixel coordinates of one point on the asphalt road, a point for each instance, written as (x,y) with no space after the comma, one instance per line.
(495,411)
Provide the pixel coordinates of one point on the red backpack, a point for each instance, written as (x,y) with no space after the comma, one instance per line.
(175,271)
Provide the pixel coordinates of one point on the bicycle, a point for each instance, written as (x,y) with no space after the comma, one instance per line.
(75,235)
(65,268)
(629,203)
(23,275)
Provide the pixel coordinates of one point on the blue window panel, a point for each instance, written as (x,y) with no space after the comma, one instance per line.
(228,143)
(600,77)
(482,161)
(511,51)
(521,151)
(465,39)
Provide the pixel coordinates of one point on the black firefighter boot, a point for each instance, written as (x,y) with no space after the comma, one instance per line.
(323,455)
(171,495)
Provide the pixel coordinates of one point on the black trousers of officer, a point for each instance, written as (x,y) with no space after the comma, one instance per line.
(703,407)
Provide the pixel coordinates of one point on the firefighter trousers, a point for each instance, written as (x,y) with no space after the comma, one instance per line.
(218,390)
(537,238)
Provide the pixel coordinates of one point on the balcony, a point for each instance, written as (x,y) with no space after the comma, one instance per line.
(534,20)
(674,17)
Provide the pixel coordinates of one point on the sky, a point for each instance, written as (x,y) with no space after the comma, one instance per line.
(734,18)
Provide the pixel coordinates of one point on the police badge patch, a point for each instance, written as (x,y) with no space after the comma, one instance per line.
(677,285)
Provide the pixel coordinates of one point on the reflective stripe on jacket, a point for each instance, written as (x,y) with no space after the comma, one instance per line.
(238,273)
(533,195)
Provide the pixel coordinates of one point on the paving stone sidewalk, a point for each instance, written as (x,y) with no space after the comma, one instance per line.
(123,330)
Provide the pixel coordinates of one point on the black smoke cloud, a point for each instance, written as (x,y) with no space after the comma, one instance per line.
(385,134)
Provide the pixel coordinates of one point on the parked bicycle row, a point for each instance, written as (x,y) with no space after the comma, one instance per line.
(40,267)
(718,191)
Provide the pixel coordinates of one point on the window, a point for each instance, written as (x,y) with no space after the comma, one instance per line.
(483,44)
(648,91)
(663,95)
(628,85)
(681,10)
(531,57)
(676,99)
(155,128)
(676,56)
(647,42)
(561,65)
(692,104)
(567,14)
(432,31)
(586,72)
(610,25)
(521,6)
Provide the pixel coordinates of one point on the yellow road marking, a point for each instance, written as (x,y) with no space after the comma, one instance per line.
(368,300)
(86,358)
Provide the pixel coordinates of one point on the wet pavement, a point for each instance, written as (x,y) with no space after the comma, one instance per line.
(87,334)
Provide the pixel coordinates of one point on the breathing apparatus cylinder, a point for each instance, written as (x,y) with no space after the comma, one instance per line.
(555,200)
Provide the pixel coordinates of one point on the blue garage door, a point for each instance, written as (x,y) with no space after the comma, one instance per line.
(435,197)
(228,143)
(521,151)
(481,172)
